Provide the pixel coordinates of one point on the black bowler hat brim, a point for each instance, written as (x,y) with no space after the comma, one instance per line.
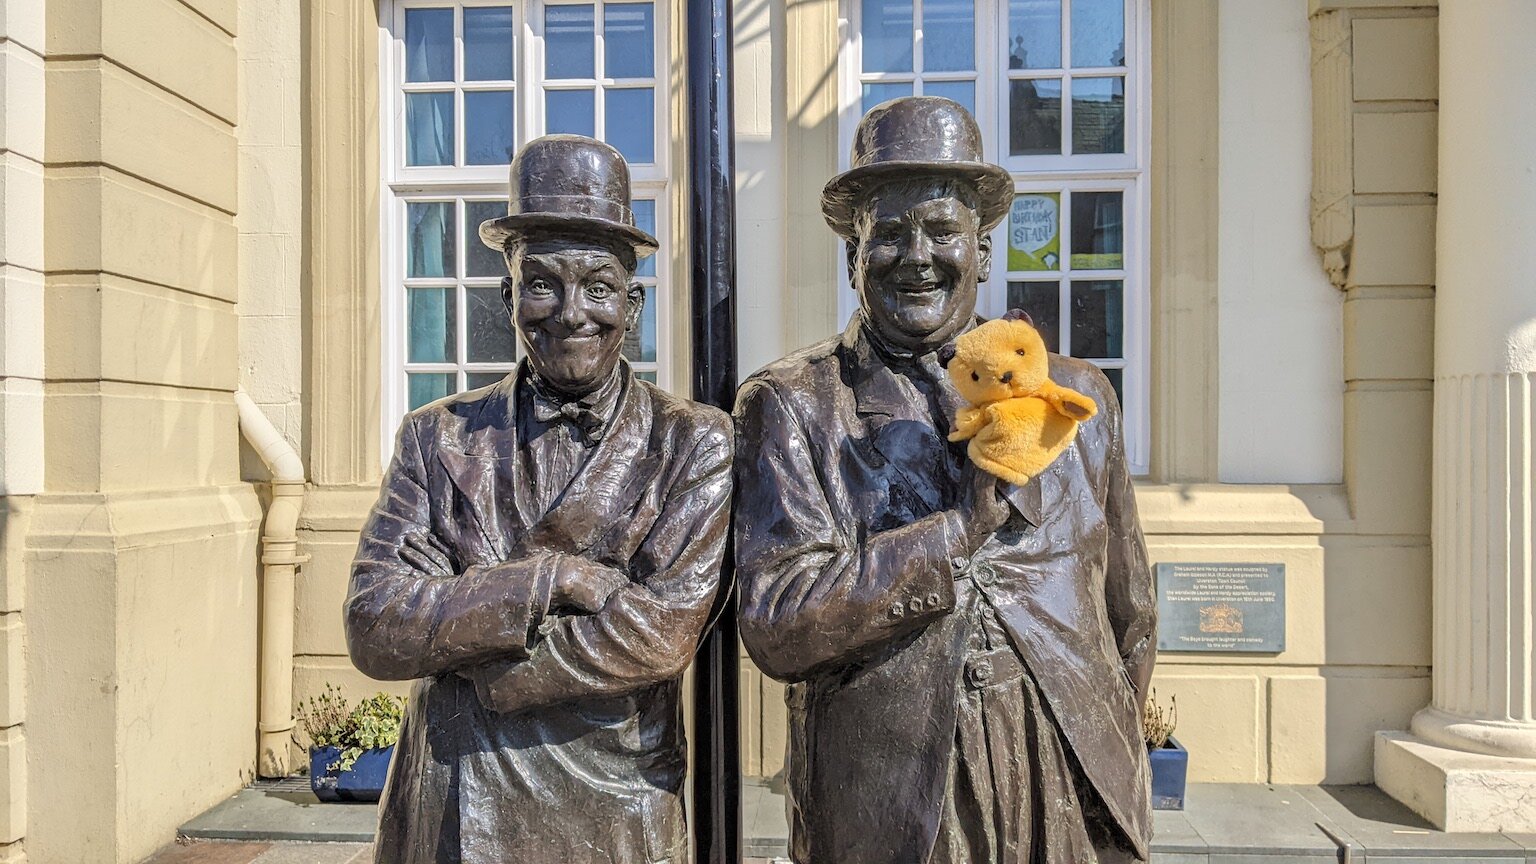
(496,232)
(993,185)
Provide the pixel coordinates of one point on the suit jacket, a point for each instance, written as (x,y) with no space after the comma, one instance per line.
(585,758)
(847,550)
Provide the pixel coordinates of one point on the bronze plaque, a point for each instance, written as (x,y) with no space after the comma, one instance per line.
(1221,607)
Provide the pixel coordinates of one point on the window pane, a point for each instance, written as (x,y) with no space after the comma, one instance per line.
(1098,115)
(640,343)
(1034,117)
(629,123)
(429,129)
(1042,300)
(648,375)
(1098,318)
(429,44)
(887,35)
(570,111)
(489,336)
(1034,34)
(429,252)
(1034,231)
(476,380)
(488,138)
(1098,237)
(480,259)
(428,386)
(874,94)
(645,220)
(432,325)
(569,42)
(963,92)
(488,43)
(949,35)
(629,42)
(1098,33)
(1116,380)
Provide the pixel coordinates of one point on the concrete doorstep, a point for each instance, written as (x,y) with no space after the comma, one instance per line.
(1222,823)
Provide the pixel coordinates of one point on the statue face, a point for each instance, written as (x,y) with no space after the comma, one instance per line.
(571,302)
(916,263)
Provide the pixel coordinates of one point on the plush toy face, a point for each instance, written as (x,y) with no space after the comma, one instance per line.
(1000,359)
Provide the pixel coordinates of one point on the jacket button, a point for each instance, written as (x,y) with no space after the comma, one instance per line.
(986,575)
(980,673)
(916,605)
(897,610)
(933,600)
(959,562)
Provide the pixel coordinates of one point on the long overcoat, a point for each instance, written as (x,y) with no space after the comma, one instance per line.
(846,554)
(586,762)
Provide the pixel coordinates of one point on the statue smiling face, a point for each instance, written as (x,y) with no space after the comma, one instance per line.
(571,301)
(916,258)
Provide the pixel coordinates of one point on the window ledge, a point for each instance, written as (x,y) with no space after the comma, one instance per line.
(1231,508)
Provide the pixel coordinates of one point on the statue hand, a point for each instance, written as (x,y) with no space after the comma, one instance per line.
(982,508)
(584,590)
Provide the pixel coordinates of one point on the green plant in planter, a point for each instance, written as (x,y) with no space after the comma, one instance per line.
(328,721)
(1156,723)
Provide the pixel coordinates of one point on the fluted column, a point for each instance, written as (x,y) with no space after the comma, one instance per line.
(1479,732)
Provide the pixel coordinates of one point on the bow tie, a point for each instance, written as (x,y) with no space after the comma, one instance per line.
(581,416)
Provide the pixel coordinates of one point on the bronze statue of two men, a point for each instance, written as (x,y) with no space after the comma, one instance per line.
(966,659)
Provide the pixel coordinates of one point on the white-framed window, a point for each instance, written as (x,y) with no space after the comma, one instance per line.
(466,84)
(1060,90)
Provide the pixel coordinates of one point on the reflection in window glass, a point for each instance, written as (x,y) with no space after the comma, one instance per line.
(645,219)
(874,94)
(1098,236)
(429,250)
(432,323)
(488,43)
(1098,317)
(1034,117)
(429,129)
(1034,34)
(963,92)
(949,35)
(1042,300)
(1034,231)
(1098,115)
(428,45)
(488,337)
(887,35)
(488,138)
(481,260)
(569,41)
(427,387)
(476,380)
(1098,33)
(628,40)
(572,111)
(629,123)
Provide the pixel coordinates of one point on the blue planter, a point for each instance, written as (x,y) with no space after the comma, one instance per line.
(1170,767)
(364,782)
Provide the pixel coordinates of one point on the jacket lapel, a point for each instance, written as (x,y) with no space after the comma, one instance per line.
(483,465)
(896,414)
(604,491)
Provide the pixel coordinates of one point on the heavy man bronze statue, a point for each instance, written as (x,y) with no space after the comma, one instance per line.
(543,557)
(967,660)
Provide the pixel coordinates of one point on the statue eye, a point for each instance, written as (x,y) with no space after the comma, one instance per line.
(600,290)
(539,286)
(975,377)
(1019,352)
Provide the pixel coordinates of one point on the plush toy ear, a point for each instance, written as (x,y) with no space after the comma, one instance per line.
(1018,315)
(946,354)
(1076,405)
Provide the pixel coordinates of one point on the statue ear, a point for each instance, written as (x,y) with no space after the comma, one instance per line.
(635,298)
(946,354)
(1018,315)
(507,292)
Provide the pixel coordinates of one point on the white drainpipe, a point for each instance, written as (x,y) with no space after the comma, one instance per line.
(279,559)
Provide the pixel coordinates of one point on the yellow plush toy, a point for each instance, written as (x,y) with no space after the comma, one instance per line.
(1019,420)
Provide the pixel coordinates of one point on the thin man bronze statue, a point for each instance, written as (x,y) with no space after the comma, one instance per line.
(966,660)
(543,557)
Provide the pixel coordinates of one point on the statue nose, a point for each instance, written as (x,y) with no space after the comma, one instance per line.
(1007,376)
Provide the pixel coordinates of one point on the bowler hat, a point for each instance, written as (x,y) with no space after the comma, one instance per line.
(568,184)
(917,137)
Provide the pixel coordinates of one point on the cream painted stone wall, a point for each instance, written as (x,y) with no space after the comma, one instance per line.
(139,554)
(1281,333)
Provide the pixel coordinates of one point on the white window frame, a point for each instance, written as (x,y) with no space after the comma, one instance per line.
(404,184)
(1129,172)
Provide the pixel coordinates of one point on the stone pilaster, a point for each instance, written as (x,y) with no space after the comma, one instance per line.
(1470,762)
